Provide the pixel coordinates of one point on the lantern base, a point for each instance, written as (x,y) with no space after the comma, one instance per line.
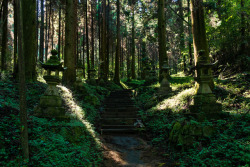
(51,112)
(205,107)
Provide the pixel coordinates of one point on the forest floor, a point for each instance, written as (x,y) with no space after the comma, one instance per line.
(229,146)
(129,151)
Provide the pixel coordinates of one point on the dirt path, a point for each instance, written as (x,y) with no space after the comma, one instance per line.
(129,151)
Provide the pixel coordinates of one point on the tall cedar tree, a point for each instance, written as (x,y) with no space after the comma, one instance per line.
(133,41)
(22,85)
(118,46)
(70,41)
(87,38)
(4,35)
(15,40)
(29,37)
(59,29)
(92,36)
(182,42)
(103,72)
(189,35)
(108,40)
(199,31)
(162,35)
(41,32)
(199,34)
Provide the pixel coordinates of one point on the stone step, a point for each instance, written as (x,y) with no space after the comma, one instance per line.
(121,92)
(119,100)
(124,109)
(118,126)
(119,115)
(125,96)
(118,131)
(118,121)
(119,106)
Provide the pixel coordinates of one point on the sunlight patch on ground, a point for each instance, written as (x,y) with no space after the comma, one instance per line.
(178,101)
(76,111)
(179,74)
(113,156)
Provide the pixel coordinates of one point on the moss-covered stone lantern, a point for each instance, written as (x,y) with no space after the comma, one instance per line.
(79,70)
(204,100)
(165,88)
(51,103)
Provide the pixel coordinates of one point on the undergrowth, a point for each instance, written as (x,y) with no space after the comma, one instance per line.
(229,146)
(50,142)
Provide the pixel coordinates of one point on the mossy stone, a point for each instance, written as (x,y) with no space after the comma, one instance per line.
(208,131)
(50,101)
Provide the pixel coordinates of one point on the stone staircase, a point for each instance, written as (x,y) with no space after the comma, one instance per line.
(120,113)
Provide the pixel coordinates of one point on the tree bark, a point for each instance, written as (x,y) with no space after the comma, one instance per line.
(92,37)
(41,33)
(4,36)
(47,31)
(162,35)
(70,41)
(87,39)
(83,57)
(182,43)
(133,42)
(108,37)
(199,31)
(118,46)
(29,37)
(15,40)
(103,43)
(190,36)
(243,42)
(59,34)
(22,85)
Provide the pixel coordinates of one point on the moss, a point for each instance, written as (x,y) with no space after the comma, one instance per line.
(208,131)
(53,60)
(54,52)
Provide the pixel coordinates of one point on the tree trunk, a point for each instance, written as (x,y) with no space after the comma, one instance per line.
(190,36)
(29,37)
(70,41)
(133,42)
(162,35)
(118,46)
(99,33)
(47,32)
(41,33)
(92,37)
(83,57)
(51,23)
(87,39)
(15,40)
(22,85)
(103,43)
(182,43)
(243,40)
(199,31)
(128,60)
(4,36)
(59,34)
(143,47)
(108,37)
(63,33)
